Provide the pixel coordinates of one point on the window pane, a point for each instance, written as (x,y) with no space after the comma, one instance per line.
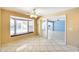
(12,26)
(21,26)
(31,26)
(50,25)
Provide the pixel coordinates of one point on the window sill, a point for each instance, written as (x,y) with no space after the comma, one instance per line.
(21,34)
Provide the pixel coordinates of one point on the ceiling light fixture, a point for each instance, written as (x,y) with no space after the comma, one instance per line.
(34,13)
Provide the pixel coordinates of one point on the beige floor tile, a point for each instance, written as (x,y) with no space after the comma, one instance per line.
(37,44)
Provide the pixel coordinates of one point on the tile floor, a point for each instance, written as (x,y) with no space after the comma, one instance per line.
(38,44)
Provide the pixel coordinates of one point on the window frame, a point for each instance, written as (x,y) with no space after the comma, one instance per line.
(29,25)
(15,34)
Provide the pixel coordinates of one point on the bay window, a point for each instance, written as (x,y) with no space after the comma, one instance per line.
(21,26)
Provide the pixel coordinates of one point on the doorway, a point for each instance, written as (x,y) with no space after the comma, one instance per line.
(54,28)
(57,28)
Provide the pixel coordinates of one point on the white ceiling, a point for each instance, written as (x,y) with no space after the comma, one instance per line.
(42,11)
